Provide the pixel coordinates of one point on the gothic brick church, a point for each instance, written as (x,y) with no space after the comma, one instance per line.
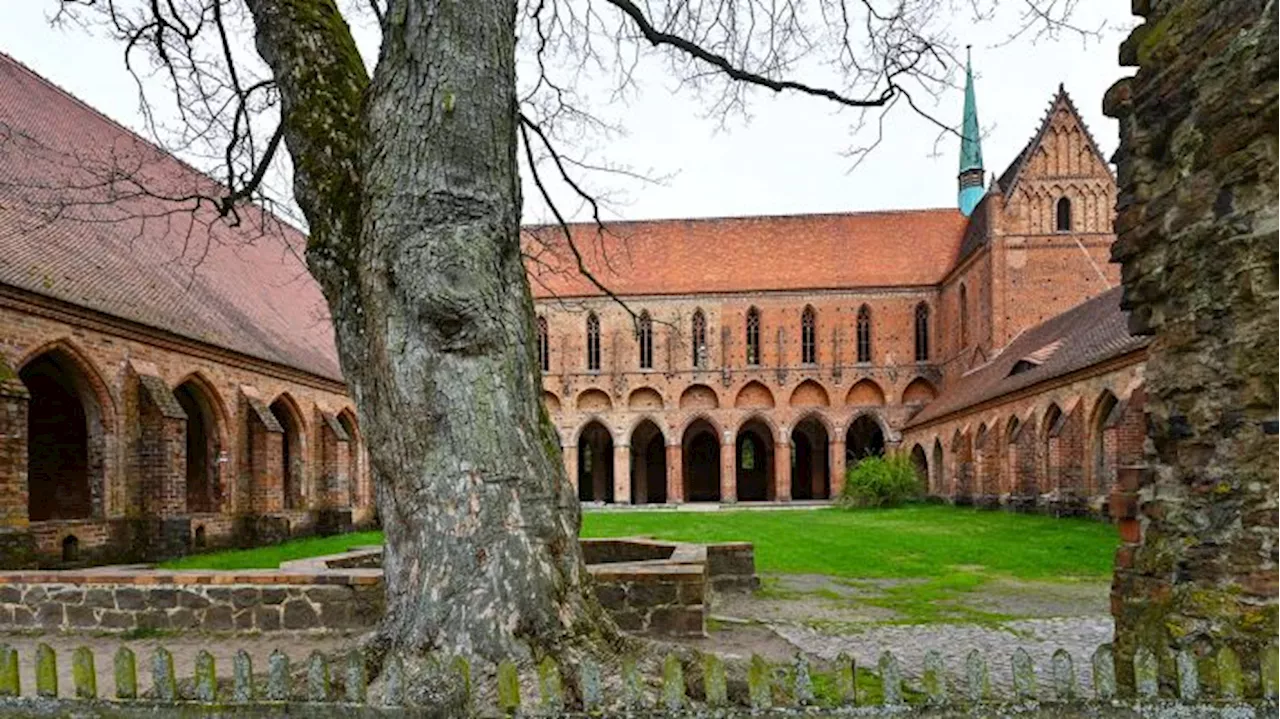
(169,382)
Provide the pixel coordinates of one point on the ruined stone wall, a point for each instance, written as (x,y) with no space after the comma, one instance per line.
(1197,236)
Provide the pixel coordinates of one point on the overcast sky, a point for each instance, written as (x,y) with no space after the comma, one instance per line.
(785,159)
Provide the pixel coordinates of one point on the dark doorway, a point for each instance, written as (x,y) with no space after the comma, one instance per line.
(648,465)
(921,463)
(701,447)
(864,439)
(754,459)
(203,492)
(595,464)
(291,462)
(57,442)
(810,461)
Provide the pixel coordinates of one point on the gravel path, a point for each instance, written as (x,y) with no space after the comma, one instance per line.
(1080,636)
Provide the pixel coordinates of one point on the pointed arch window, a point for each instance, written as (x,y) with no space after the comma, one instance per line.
(809,336)
(753,337)
(964,316)
(1063,215)
(699,339)
(922,332)
(593,342)
(864,334)
(544,346)
(645,332)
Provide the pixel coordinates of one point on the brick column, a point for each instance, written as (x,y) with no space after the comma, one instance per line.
(570,455)
(17,549)
(728,468)
(837,464)
(675,473)
(622,473)
(782,471)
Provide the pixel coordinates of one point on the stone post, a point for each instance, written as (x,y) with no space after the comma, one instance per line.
(728,468)
(837,448)
(1196,235)
(622,473)
(675,472)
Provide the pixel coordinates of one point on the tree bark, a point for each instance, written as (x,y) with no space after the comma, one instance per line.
(411,185)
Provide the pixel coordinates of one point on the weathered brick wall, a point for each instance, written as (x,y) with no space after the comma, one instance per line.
(1036,466)
(126,375)
(1197,238)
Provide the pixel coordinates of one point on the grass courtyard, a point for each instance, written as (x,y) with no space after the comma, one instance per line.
(915,564)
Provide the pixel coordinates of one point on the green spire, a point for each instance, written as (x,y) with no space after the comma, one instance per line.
(971,172)
(970,135)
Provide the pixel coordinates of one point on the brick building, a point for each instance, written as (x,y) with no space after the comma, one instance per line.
(166,381)
(755,358)
(169,381)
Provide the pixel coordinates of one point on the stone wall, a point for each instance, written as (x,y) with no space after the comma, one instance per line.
(1197,236)
(238,603)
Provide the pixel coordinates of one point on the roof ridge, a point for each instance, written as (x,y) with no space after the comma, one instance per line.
(795,215)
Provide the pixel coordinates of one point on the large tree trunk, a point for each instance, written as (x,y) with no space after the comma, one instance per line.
(417,247)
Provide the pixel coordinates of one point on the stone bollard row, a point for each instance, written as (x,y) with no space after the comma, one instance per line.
(768,686)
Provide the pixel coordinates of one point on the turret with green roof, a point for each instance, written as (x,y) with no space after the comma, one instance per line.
(971,172)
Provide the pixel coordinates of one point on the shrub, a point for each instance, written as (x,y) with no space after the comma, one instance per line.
(880,482)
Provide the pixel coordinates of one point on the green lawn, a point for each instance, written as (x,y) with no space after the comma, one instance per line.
(922,541)
(271,557)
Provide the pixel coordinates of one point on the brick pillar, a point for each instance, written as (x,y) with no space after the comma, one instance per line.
(17,549)
(161,463)
(837,461)
(1196,235)
(675,473)
(570,454)
(728,468)
(622,473)
(782,471)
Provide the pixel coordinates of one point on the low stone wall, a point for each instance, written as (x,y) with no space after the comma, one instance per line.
(660,588)
(207,601)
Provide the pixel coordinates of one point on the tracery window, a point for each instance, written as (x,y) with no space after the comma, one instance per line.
(864,334)
(593,342)
(1063,215)
(544,346)
(922,332)
(646,341)
(808,336)
(753,336)
(699,339)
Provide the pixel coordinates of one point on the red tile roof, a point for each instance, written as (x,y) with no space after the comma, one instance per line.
(68,233)
(746,254)
(1089,333)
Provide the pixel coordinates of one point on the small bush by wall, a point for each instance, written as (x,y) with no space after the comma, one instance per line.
(880,482)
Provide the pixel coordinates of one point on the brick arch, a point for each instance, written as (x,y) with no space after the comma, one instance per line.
(984,444)
(699,396)
(663,429)
(919,391)
(69,435)
(811,437)
(809,394)
(587,421)
(962,461)
(759,481)
(754,395)
(293,453)
(357,492)
(864,392)
(593,400)
(551,401)
(644,398)
(93,377)
(938,475)
(1102,442)
(207,438)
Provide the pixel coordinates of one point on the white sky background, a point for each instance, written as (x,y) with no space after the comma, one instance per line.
(786,158)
